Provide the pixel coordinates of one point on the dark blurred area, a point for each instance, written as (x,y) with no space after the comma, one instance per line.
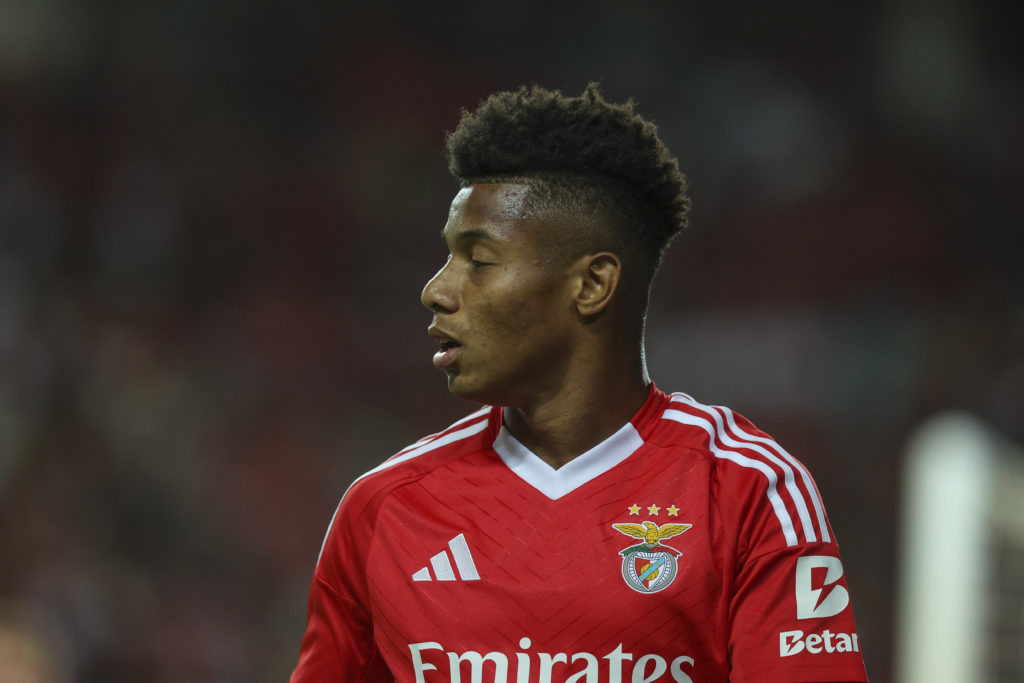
(216,218)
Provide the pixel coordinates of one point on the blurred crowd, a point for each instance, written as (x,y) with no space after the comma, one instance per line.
(216,218)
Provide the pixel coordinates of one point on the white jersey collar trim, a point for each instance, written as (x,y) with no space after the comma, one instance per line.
(586,467)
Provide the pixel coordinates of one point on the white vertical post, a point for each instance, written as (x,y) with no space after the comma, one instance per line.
(941,598)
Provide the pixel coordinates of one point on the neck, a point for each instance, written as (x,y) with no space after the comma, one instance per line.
(583,413)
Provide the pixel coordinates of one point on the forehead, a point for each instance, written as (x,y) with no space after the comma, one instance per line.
(498,210)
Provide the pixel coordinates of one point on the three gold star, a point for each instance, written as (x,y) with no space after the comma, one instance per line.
(654,510)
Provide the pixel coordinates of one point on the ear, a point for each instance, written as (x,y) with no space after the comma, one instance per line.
(600,275)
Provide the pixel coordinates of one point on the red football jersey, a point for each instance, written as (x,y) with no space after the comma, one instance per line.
(686,547)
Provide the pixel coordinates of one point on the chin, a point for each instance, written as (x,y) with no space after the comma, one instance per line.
(471,396)
(461,388)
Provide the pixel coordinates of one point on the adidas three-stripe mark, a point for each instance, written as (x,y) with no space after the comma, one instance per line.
(442,566)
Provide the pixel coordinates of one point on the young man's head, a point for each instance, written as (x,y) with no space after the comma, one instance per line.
(567,205)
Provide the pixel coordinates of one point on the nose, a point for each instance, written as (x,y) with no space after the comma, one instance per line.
(438,294)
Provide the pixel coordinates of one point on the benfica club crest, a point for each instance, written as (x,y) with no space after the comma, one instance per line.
(650,566)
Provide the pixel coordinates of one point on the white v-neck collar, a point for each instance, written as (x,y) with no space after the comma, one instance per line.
(584,468)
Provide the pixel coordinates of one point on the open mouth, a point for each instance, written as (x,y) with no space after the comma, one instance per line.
(449,353)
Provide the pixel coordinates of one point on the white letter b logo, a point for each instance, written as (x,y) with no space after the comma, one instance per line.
(807,604)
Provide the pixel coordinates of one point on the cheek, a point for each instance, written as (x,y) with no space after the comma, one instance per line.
(525,308)
(509,323)
(524,326)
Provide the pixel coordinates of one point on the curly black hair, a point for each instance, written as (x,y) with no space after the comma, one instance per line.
(582,154)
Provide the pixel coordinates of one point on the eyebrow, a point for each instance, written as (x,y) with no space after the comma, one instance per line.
(470,235)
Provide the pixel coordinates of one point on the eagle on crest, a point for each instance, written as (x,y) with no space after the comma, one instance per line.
(651,533)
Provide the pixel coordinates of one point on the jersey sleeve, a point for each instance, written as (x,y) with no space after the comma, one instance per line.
(792,621)
(790,617)
(338,643)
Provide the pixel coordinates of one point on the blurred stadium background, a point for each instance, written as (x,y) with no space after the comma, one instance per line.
(216,217)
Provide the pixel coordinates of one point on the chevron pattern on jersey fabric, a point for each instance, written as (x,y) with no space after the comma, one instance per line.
(549,570)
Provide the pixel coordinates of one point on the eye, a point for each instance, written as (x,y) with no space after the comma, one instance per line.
(480,261)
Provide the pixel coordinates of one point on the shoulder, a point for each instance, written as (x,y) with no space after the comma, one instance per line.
(418,459)
(751,470)
(717,431)
(357,510)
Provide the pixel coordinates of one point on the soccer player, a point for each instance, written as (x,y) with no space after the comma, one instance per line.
(581,526)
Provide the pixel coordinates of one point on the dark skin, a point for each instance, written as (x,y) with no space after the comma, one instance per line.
(524,323)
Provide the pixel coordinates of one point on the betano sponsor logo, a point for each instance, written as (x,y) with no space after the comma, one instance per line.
(794,642)
(809,603)
(517,667)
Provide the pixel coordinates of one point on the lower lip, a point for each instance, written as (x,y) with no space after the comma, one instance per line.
(445,358)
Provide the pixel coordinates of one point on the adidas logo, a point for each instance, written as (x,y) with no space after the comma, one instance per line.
(442,566)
